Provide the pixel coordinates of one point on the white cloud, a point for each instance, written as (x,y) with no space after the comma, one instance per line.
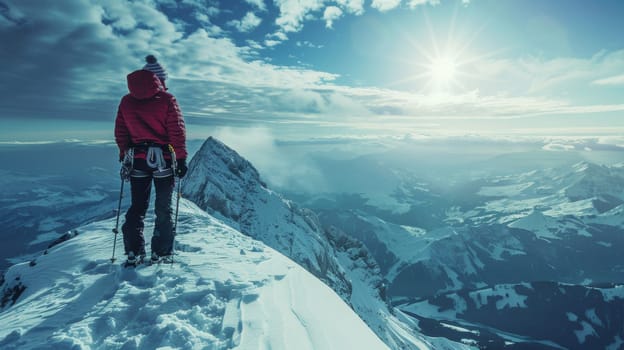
(294,12)
(331,14)
(385,5)
(617,141)
(271,43)
(280,166)
(247,23)
(355,7)
(206,12)
(614,80)
(561,78)
(414,3)
(308,44)
(254,44)
(279,36)
(119,15)
(557,146)
(258,3)
(275,38)
(206,23)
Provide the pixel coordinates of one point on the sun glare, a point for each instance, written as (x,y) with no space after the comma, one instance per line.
(442,72)
(440,63)
(439,70)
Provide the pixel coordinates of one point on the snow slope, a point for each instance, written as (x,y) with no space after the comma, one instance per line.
(225,291)
(228,186)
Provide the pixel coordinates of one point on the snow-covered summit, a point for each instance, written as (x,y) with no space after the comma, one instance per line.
(225,291)
(227,186)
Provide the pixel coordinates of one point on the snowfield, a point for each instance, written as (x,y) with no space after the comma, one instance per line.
(225,291)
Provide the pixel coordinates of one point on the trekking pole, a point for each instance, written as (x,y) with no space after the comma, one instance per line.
(174,164)
(175,222)
(116,229)
(124,174)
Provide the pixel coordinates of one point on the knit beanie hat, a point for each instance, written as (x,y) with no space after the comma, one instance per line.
(155,67)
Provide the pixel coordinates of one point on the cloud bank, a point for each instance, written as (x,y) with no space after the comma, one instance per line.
(69,60)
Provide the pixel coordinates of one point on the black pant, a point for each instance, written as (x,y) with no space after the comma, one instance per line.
(141,187)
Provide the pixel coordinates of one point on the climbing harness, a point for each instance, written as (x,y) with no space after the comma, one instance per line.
(155,158)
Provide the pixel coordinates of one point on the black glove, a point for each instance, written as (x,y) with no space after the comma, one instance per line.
(181,168)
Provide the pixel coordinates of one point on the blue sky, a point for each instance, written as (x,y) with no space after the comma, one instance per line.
(318,68)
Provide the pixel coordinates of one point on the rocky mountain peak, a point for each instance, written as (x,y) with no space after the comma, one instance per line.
(226,185)
(219,179)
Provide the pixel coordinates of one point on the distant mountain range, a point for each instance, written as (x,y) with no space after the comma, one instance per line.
(519,257)
(562,225)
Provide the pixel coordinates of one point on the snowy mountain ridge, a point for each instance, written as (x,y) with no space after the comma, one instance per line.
(227,186)
(225,291)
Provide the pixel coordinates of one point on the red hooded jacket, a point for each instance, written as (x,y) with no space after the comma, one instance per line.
(148,114)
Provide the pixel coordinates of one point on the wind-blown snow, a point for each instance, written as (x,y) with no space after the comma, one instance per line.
(225,291)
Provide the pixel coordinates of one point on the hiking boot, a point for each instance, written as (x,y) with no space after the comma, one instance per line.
(156,259)
(134,260)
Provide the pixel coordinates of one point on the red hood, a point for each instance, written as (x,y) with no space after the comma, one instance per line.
(143,84)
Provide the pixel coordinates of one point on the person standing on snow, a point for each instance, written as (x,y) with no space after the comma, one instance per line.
(151,135)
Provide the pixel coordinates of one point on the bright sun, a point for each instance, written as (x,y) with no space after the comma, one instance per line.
(439,71)
(442,72)
(436,61)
